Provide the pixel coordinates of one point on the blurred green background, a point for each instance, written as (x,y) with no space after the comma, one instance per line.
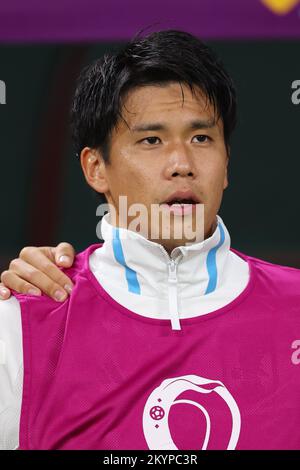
(44,197)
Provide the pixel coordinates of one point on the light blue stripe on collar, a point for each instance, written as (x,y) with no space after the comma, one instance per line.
(211,263)
(131,277)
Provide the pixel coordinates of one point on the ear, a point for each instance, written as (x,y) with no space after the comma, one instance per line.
(225,184)
(94,169)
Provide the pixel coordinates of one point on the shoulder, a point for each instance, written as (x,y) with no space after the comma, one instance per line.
(43,304)
(10,318)
(11,372)
(282,278)
(11,353)
(81,262)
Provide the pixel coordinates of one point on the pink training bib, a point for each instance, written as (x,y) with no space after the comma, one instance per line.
(98,376)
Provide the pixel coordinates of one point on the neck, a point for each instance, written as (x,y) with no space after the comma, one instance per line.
(143,276)
(168,245)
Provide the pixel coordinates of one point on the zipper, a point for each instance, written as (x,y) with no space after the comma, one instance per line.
(172,289)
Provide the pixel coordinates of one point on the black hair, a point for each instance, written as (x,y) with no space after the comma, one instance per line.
(158,58)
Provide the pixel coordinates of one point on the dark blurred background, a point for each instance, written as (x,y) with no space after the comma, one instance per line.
(44,197)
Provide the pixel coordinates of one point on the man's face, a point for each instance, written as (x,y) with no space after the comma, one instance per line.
(169,145)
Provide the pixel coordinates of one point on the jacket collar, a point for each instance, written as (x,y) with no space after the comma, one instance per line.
(142,264)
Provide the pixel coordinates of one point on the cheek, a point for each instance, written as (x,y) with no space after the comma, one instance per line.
(212,184)
(132,181)
(139,174)
(213,176)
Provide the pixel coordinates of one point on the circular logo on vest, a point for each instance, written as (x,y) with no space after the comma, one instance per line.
(157,408)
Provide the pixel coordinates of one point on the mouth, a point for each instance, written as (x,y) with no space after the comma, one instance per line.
(181,202)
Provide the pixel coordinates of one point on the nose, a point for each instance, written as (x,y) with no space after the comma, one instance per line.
(179,162)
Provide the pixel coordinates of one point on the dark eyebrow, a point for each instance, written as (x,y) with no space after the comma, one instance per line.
(148,127)
(157,126)
(198,124)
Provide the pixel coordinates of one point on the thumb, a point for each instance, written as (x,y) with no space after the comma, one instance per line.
(64,254)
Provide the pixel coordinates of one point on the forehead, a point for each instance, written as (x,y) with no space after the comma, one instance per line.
(171,100)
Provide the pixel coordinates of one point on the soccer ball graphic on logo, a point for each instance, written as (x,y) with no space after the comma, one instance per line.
(157,412)
(158,436)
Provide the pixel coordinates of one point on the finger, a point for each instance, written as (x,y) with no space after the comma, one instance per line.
(43,259)
(42,273)
(29,252)
(4,292)
(12,280)
(64,254)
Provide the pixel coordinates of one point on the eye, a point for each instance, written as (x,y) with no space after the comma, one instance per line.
(202,138)
(150,140)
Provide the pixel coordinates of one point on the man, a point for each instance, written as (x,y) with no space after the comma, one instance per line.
(150,321)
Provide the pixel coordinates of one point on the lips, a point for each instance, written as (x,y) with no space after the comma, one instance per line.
(181,202)
(182,197)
